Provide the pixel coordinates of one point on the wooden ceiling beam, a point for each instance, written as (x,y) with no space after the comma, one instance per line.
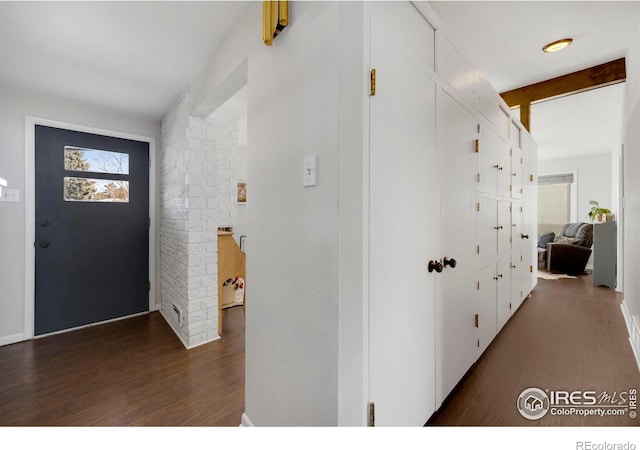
(598,76)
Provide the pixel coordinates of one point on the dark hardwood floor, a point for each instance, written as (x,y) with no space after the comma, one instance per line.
(126,373)
(135,372)
(567,336)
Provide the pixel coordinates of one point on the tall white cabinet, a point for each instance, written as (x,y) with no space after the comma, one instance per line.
(451,188)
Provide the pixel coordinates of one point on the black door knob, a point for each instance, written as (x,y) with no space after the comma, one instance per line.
(450,262)
(43,244)
(524,236)
(435,265)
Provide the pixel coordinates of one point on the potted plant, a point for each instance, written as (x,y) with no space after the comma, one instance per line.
(596,212)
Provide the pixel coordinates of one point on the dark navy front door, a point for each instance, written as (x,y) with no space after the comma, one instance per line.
(92,228)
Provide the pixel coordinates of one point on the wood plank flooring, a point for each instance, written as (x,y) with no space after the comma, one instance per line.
(136,372)
(127,373)
(567,336)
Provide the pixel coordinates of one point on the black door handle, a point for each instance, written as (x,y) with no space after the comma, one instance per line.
(43,244)
(450,262)
(437,266)
(524,236)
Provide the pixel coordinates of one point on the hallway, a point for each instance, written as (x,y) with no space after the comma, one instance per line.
(567,336)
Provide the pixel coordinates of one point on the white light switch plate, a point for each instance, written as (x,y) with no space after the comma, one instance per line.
(10,195)
(309,171)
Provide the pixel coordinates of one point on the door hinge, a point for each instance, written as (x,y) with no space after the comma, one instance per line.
(372,414)
(477,285)
(531,178)
(510,240)
(478,249)
(478,128)
(521,206)
(510,208)
(149,285)
(478,206)
(478,344)
(509,305)
(478,178)
(477,321)
(372,81)
(478,143)
(531,269)
(510,152)
(510,188)
(521,258)
(149,222)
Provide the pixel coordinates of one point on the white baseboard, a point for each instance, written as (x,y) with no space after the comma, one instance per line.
(186,345)
(245,421)
(633,326)
(6,340)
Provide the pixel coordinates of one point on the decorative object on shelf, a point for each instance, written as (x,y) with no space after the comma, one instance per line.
(598,214)
(275,17)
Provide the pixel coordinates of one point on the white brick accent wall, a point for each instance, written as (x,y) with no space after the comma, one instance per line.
(199,174)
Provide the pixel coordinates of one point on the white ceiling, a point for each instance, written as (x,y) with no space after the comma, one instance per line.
(504,39)
(136,57)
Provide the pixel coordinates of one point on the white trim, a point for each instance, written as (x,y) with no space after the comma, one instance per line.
(29,196)
(179,334)
(245,421)
(6,340)
(89,325)
(633,326)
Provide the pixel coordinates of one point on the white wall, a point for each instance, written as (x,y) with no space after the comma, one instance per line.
(631,289)
(593,180)
(15,105)
(295,350)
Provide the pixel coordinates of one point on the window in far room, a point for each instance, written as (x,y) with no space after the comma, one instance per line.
(554,202)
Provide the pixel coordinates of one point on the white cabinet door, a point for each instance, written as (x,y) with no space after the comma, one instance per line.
(530,212)
(503,291)
(455,333)
(515,267)
(488,166)
(402,291)
(486,306)
(504,226)
(504,168)
(516,173)
(486,227)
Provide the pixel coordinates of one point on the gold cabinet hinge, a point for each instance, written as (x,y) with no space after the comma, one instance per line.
(372,80)
(531,178)
(477,144)
(477,321)
(531,269)
(372,414)
(478,206)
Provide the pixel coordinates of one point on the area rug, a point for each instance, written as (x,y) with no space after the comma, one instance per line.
(553,276)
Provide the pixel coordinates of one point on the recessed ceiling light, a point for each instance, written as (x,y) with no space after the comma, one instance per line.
(557,45)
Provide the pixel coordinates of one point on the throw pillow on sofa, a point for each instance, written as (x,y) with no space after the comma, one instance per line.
(545,239)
